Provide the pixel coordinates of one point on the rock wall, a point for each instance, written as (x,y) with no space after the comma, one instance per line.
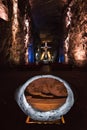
(78,33)
(13,46)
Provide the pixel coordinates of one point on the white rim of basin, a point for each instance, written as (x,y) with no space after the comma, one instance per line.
(50,115)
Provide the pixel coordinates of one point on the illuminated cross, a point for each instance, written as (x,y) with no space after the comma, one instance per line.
(46,47)
(46,53)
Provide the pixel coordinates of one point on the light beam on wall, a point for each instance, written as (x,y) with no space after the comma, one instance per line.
(68,23)
(14,54)
(28,42)
(26,36)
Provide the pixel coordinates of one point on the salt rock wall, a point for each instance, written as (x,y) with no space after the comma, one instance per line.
(11,37)
(78,33)
(4,27)
(14,34)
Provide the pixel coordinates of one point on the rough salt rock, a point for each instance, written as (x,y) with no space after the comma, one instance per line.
(49,115)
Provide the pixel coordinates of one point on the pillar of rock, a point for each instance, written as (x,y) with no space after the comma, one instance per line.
(77,51)
(28,31)
(19,33)
(16,43)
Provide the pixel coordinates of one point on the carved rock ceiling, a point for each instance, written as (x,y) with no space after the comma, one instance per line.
(48,16)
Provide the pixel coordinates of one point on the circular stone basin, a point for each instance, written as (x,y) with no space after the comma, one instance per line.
(46,94)
(45,97)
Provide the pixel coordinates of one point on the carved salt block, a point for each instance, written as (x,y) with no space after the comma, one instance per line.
(45,98)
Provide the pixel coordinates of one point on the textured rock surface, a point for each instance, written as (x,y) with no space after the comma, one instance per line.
(46,94)
(77,33)
(49,115)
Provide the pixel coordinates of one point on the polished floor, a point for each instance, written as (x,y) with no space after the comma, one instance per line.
(12,117)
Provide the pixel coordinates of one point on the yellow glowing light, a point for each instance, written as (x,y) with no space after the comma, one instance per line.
(49,55)
(42,55)
(46,55)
